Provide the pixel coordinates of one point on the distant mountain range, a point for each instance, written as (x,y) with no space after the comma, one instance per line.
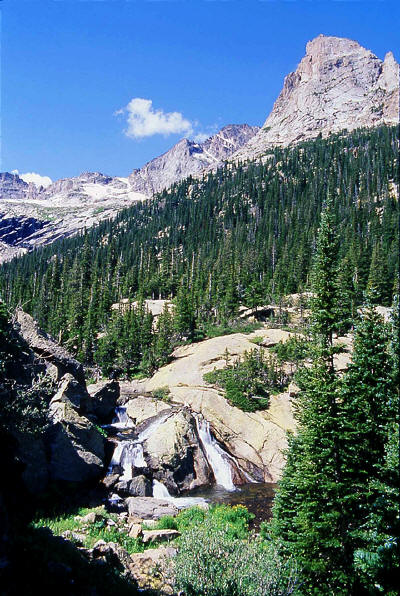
(338,85)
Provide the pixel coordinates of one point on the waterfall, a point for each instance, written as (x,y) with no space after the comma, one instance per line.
(160,491)
(121,419)
(129,454)
(217,458)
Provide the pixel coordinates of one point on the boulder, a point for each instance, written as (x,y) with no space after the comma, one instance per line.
(139,486)
(58,360)
(142,408)
(150,536)
(91,517)
(174,454)
(110,480)
(293,390)
(32,453)
(76,446)
(103,400)
(111,552)
(135,530)
(70,390)
(150,508)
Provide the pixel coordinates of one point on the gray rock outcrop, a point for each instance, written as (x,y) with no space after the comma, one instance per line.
(103,400)
(57,359)
(76,446)
(72,204)
(188,158)
(150,508)
(338,85)
(175,456)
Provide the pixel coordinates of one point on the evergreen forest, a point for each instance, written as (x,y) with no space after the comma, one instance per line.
(244,235)
(321,217)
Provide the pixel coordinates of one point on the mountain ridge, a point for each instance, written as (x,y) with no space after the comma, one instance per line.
(337,85)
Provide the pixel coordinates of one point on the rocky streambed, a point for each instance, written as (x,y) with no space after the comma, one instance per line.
(167,455)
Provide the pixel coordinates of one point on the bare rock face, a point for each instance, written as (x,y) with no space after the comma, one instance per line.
(256,440)
(32,216)
(188,158)
(76,446)
(57,359)
(338,85)
(175,455)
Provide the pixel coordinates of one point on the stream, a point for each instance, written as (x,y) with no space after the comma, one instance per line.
(129,454)
(258,497)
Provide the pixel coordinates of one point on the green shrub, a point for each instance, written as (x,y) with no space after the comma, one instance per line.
(189,518)
(249,381)
(294,350)
(162,393)
(211,563)
(233,520)
(167,523)
(257,340)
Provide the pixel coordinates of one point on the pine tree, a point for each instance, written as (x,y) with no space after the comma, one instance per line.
(184,318)
(370,433)
(307,513)
(163,339)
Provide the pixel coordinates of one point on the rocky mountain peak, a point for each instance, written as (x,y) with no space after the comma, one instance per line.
(337,85)
(190,158)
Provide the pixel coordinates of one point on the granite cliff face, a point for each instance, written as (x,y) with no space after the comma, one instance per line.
(338,85)
(188,158)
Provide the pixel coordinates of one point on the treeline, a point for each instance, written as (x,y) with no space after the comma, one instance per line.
(243,235)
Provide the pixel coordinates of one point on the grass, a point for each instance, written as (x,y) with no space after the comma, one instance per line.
(162,393)
(233,520)
(90,532)
(257,340)
(232,327)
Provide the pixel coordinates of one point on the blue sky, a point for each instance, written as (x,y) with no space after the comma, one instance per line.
(69,67)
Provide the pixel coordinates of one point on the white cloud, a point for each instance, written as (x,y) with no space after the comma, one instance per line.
(201,137)
(37,179)
(144,121)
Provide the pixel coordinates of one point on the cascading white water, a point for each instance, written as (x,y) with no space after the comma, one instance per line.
(160,491)
(129,454)
(121,419)
(217,458)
